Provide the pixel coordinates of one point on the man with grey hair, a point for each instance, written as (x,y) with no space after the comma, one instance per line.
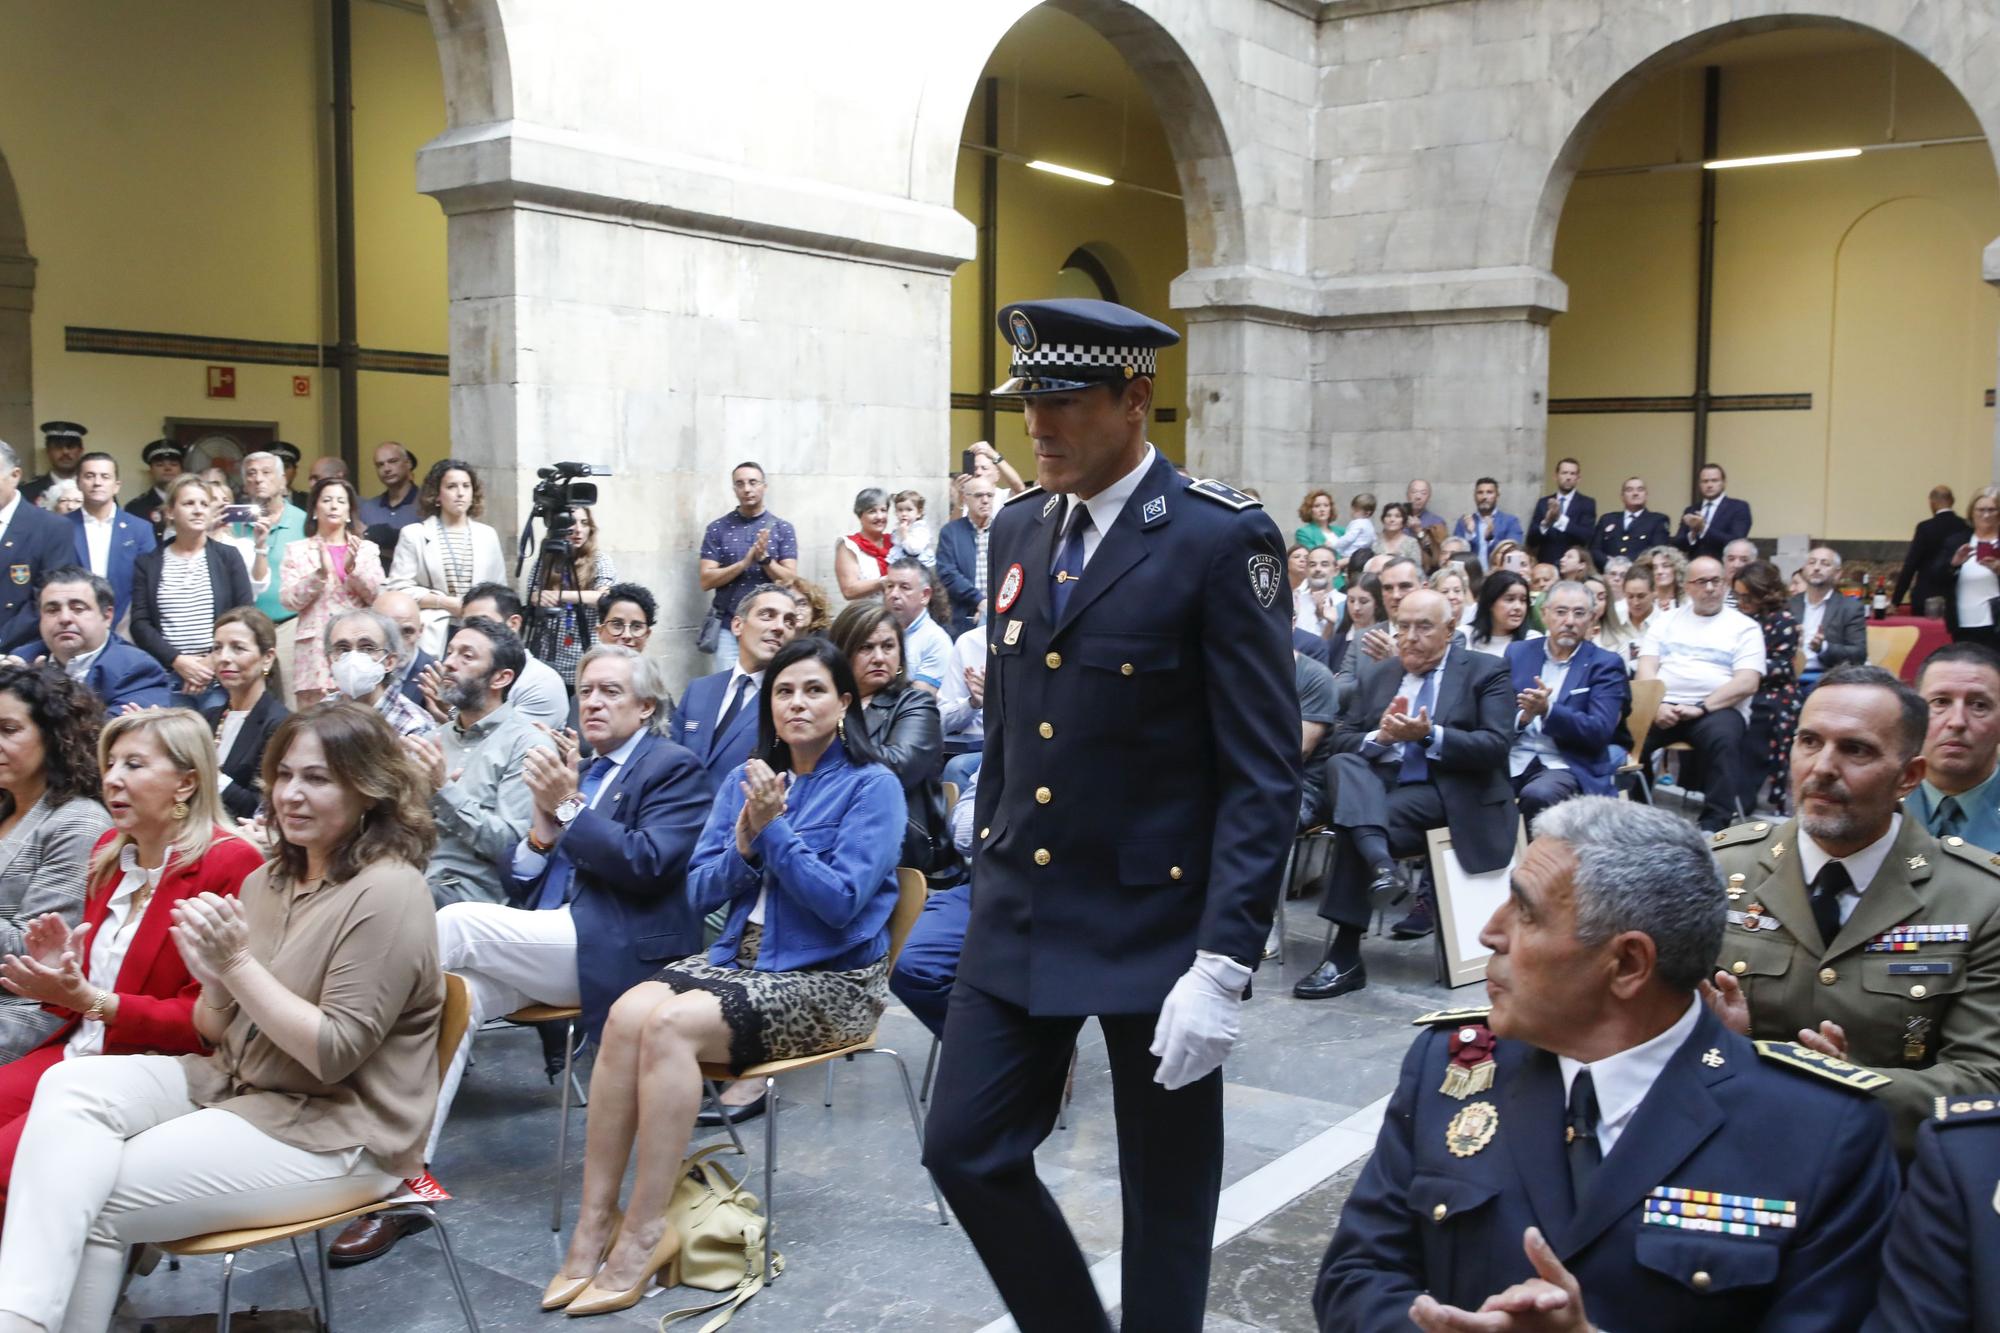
(280,523)
(363,650)
(597,897)
(32,543)
(1833,628)
(1597,1149)
(1572,696)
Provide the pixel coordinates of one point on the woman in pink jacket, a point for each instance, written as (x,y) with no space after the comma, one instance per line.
(334,569)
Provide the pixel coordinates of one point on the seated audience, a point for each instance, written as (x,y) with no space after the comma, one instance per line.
(1712,660)
(626,615)
(1575,564)
(861,559)
(574,594)
(1501,616)
(716,718)
(332,569)
(108,539)
(411,659)
(77,614)
(1571,698)
(365,647)
(1970,574)
(246,667)
(1670,570)
(1833,627)
(1931,544)
(320,997)
(927,968)
(1422,743)
(1316,603)
(1512,557)
(1617,1088)
(1540,579)
(539,694)
(926,647)
(1624,633)
(1735,557)
(1450,581)
(50,818)
(805,866)
(438,559)
(962,708)
(180,588)
(1959,797)
(904,731)
(470,773)
(1937,1269)
(115,980)
(1397,538)
(1319,709)
(1774,708)
(1360,532)
(961,554)
(597,890)
(1316,526)
(1360,614)
(914,539)
(1854,881)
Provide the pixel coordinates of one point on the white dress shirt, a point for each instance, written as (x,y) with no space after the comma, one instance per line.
(1862,866)
(1809,627)
(737,673)
(110,942)
(963,721)
(97,541)
(528,861)
(7,513)
(1106,505)
(1622,1081)
(1531,742)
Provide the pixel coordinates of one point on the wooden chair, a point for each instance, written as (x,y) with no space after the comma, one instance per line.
(1646,698)
(228,1244)
(910,892)
(566,1015)
(950,796)
(1890,646)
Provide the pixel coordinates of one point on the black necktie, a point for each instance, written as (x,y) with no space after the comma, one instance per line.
(1580,1137)
(1832,881)
(735,704)
(1069,557)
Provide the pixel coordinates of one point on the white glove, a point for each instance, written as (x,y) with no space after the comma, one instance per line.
(1200,1020)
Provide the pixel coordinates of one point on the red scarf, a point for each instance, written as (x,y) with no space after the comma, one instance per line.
(880,550)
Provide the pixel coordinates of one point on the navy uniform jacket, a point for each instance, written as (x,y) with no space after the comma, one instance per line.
(628,896)
(1719,1118)
(35,542)
(1938,1270)
(1612,538)
(1141,779)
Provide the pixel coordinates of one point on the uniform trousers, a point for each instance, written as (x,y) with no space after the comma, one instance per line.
(510,957)
(1717,738)
(115,1153)
(999,1085)
(1367,795)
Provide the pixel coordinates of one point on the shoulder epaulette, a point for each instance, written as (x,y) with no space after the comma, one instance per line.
(1812,1062)
(1476,1012)
(1966,851)
(1224,493)
(1026,491)
(1965,1110)
(1742,833)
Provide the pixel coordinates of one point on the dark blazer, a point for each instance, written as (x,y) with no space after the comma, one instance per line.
(150,509)
(628,895)
(244,764)
(1422,1219)
(1936,539)
(1612,538)
(36,542)
(1731,521)
(1313,646)
(1937,1268)
(693,726)
(1548,544)
(131,537)
(121,675)
(908,735)
(1845,626)
(957,561)
(1476,708)
(1585,720)
(228,585)
(411,690)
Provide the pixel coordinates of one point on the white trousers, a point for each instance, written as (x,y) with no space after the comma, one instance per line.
(114,1153)
(510,957)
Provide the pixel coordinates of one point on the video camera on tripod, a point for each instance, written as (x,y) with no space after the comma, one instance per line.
(556,496)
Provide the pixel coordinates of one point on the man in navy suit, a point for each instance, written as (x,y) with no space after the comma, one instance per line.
(107,540)
(717,715)
(76,619)
(1714,519)
(32,542)
(1562,520)
(961,552)
(1486,527)
(1572,695)
(1598,1150)
(597,897)
(1633,530)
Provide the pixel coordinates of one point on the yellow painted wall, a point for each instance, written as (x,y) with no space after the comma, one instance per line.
(1044,62)
(169,158)
(1857,281)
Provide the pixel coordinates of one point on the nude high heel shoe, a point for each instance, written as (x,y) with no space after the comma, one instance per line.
(665,1259)
(562,1290)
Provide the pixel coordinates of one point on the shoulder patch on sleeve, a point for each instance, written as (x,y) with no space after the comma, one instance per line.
(1963,1110)
(1223,493)
(1812,1062)
(1440,1016)
(1742,833)
(1026,491)
(1987,861)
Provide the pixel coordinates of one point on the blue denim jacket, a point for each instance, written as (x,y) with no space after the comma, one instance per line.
(829,862)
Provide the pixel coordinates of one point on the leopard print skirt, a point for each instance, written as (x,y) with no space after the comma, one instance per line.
(784,1015)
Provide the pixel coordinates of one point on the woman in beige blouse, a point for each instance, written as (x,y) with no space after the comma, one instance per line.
(321,996)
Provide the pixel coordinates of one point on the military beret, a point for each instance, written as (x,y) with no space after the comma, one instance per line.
(159,449)
(63,430)
(1066,345)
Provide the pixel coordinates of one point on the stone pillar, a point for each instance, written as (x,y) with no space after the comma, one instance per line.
(17,359)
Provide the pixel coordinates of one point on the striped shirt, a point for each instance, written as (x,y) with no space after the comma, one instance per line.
(186,602)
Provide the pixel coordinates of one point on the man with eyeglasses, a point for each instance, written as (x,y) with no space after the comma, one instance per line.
(1572,695)
(363,647)
(1712,660)
(402,609)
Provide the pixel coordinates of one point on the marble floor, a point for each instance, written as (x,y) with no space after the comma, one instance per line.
(855,1218)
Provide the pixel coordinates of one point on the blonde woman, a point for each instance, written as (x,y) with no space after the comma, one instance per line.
(1670,572)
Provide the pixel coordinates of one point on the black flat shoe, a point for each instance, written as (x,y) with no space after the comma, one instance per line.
(1327,980)
(1414,926)
(737,1114)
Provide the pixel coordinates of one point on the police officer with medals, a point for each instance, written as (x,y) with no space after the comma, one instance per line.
(1852,930)
(1938,1274)
(1137,796)
(1597,1150)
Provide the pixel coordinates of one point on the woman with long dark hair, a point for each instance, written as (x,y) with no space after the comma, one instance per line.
(904,726)
(1501,617)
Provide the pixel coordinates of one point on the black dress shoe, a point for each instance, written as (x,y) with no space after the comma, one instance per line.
(372,1237)
(1327,980)
(1388,880)
(737,1114)
(1416,925)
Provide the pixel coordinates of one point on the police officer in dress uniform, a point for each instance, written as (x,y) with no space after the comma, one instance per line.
(1906,979)
(163,459)
(1938,1274)
(63,442)
(1137,796)
(1675,1175)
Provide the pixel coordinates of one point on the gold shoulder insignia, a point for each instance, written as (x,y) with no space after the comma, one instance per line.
(1224,493)
(1964,1108)
(1026,491)
(1465,1015)
(1835,1071)
(1971,855)
(1743,833)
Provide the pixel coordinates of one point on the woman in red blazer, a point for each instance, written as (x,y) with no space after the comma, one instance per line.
(117,977)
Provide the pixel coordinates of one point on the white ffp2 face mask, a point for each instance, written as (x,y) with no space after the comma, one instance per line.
(356,674)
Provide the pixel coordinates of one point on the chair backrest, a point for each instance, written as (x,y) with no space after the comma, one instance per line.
(1647,696)
(950,796)
(1889,646)
(451,1023)
(911,890)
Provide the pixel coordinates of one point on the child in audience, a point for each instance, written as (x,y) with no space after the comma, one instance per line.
(913,535)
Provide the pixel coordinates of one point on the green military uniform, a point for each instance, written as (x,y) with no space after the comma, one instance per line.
(1913,977)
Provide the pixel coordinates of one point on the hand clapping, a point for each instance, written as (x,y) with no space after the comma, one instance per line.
(550,779)
(51,970)
(213,937)
(1398,724)
(763,801)
(1533,702)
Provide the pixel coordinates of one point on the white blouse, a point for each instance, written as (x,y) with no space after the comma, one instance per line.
(110,941)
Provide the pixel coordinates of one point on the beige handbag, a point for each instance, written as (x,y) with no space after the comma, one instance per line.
(722,1239)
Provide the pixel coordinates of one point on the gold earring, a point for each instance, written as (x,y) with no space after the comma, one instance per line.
(180,810)
(841,727)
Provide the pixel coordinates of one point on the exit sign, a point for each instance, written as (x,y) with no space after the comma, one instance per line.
(222,381)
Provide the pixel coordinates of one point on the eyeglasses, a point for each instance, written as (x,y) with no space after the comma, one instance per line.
(341,649)
(1418,627)
(1715,582)
(619,629)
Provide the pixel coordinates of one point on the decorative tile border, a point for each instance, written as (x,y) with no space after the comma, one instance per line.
(245,351)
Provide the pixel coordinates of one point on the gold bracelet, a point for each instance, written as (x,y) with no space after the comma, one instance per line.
(95,1012)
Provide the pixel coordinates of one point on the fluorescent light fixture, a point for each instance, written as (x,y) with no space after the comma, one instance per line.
(1778,159)
(1071,172)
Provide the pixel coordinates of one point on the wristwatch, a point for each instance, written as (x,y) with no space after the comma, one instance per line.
(569,808)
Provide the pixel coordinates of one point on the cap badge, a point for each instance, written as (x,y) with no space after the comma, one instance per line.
(1265,576)
(1010,589)
(1021,331)
(1050,507)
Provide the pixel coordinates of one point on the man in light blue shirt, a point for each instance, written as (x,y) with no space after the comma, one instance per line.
(926,646)
(264,483)
(1960,794)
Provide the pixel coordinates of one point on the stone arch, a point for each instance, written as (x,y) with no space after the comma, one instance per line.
(472,51)
(17,304)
